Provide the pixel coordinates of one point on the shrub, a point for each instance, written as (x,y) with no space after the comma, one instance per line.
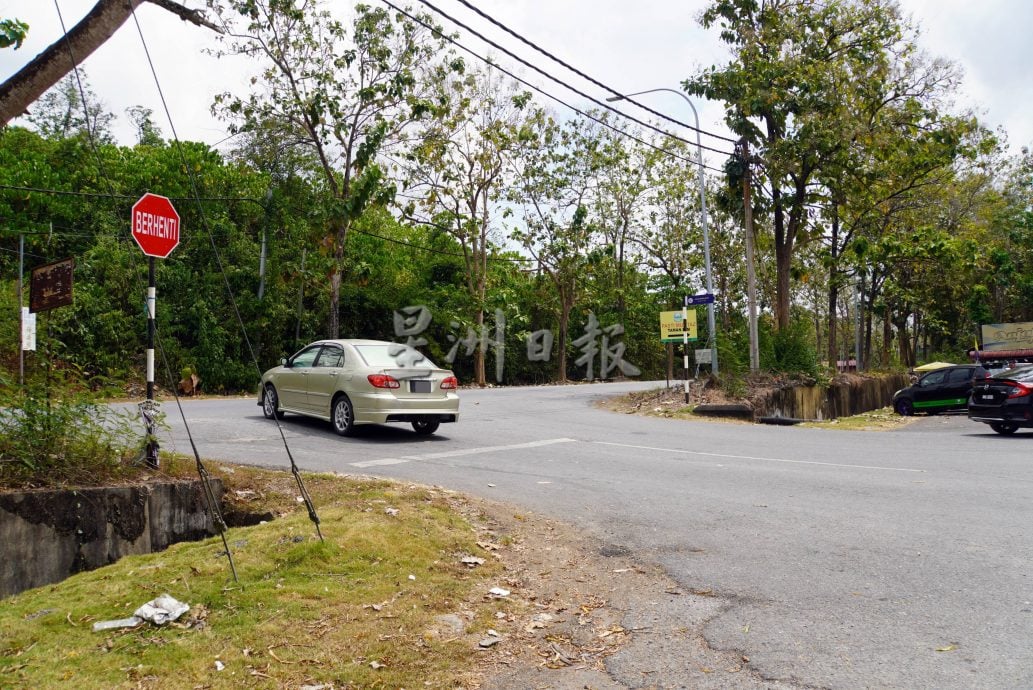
(56,437)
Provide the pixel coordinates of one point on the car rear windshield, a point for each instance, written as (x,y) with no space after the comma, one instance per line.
(394,356)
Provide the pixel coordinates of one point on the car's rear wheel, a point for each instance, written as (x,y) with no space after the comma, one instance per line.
(904,407)
(271,403)
(425,428)
(343,416)
(1004,429)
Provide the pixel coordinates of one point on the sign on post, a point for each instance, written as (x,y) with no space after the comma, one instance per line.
(695,300)
(51,285)
(28,330)
(155,225)
(673,325)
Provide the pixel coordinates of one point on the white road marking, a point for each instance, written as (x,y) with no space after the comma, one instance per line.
(460,452)
(750,457)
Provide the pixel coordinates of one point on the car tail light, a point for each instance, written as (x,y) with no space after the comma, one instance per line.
(1019,390)
(449,383)
(383,381)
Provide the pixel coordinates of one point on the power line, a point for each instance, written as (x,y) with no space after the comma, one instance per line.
(559,81)
(581,74)
(548,95)
(250,200)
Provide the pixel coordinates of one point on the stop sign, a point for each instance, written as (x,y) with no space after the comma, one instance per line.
(155,225)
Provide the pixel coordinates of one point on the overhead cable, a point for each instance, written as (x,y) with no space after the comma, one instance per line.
(559,81)
(550,96)
(587,77)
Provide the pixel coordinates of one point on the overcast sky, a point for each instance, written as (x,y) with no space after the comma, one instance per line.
(630,46)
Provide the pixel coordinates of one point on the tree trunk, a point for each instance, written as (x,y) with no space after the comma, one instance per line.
(887,337)
(833,286)
(340,232)
(566,305)
(480,378)
(30,82)
(783,261)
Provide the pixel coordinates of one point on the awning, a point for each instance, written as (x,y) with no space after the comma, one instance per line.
(933,365)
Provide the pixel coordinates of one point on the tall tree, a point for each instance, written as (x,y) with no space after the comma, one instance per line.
(61,113)
(462,166)
(343,96)
(783,91)
(560,167)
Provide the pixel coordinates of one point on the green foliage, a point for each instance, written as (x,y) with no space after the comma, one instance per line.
(12,33)
(50,435)
(792,352)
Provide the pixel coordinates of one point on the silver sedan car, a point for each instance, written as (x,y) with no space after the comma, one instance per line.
(352,382)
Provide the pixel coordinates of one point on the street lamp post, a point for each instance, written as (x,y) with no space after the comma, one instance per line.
(712,334)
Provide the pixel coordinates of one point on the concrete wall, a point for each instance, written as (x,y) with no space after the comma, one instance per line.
(847,395)
(45,536)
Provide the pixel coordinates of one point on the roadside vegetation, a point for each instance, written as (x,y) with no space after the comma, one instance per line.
(375,169)
(361,609)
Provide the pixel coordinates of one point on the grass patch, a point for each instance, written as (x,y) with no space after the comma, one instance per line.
(355,611)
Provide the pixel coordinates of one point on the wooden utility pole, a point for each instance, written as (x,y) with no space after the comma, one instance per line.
(751,274)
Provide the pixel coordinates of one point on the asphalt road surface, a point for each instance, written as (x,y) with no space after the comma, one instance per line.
(896,559)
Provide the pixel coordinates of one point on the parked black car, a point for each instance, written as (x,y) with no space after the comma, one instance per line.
(940,390)
(1005,402)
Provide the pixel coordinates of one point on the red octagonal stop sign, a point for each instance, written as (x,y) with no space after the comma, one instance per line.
(155,225)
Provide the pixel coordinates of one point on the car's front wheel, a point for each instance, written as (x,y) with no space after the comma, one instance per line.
(343,416)
(904,407)
(425,428)
(271,403)
(1004,429)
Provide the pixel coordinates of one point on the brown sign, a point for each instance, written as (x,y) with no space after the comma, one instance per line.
(51,285)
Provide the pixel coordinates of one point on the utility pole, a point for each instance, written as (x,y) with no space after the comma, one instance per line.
(21,307)
(751,274)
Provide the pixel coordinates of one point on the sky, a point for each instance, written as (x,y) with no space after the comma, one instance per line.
(656,44)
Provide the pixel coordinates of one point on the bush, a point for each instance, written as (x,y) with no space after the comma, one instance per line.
(53,438)
(792,352)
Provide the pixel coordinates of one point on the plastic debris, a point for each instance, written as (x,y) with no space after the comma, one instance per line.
(471,561)
(498,592)
(219,666)
(159,611)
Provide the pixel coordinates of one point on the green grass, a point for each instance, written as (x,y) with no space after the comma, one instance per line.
(354,611)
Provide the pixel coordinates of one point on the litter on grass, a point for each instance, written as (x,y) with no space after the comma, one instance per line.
(160,611)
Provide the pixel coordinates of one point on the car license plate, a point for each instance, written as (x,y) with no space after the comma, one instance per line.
(986,397)
(419,386)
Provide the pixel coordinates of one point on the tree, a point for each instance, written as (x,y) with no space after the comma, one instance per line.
(462,165)
(47,68)
(783,92)
(60,112)
(344,98)
(560,167)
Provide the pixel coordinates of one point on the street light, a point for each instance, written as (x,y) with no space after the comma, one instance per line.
(712,334)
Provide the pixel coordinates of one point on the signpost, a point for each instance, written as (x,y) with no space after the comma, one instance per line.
(155,228)
(680,327)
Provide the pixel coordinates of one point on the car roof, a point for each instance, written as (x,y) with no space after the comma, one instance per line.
(353,341)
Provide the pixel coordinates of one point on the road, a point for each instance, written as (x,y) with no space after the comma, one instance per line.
(895,559)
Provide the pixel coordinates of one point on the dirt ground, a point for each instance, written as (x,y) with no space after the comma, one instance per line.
(597,619)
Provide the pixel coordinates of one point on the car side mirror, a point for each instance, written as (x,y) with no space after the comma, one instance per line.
(283,362)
